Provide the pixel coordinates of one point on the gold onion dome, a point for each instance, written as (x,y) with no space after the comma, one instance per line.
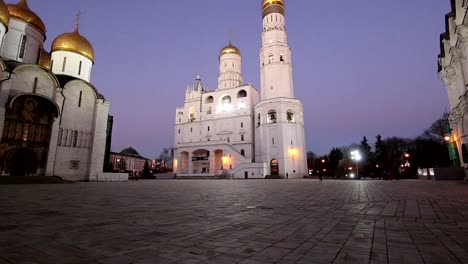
(230,49)
(21,11)
(272,7)
(74,42)
(267,3)
(45,59)
(4,14)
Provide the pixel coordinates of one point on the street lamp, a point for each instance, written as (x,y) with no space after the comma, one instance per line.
(356,156)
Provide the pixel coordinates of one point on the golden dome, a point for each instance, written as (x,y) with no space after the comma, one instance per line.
(44,61)
(4,14)
(267,3)
(230,49)
(21,11)
(74,42)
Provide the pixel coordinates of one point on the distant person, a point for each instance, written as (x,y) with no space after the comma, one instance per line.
(287,175)
(320,177)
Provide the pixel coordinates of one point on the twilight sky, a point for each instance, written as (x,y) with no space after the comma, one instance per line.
(361,67)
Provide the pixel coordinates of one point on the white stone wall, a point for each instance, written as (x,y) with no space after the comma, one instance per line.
(71,64)
(283,140)
(12,42)
(82,132)
(453,63)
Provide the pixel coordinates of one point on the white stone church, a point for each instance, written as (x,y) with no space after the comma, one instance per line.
(53,120)
(233,130)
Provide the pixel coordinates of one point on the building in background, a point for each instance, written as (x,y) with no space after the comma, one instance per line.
(52,118)
(453,69)
(231,130)
(128,160)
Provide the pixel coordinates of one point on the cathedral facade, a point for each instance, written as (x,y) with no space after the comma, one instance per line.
(453,69)
(53,120)
(233,130)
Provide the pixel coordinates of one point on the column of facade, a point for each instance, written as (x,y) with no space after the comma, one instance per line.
(459,75)
(212,164)
(448,76)
(190,163)
(462,49)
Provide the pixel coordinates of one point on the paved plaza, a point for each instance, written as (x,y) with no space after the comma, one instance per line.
(277,221)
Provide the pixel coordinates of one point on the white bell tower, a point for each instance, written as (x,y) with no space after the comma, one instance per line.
(279,133)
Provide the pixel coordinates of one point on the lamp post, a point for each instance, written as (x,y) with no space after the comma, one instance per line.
(356,156)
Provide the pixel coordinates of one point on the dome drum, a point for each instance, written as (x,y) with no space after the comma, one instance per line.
(4,14)
(74,42)
(22,12)
(273,6)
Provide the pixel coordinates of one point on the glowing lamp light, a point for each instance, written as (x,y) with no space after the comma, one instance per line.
(323,161)
(355,155)
(293,151)
(407,155)
(447,138)
(352,175)
(350,168)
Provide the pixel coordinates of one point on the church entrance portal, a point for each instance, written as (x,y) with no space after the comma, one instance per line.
(26,134)
(274,167)
(21,162)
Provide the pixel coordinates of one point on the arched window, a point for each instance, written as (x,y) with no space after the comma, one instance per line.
(241,94)
(272,117)
(209,100)
(243,152)
(192,114)
(226,100)
(290,116)
(270,59)
(259,119)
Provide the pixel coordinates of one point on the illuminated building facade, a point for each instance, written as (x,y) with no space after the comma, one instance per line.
(53,120)
(230,131)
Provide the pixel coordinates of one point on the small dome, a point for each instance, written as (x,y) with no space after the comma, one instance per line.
(44,61)
(230,49)
(4,14)
(74,42)
(130,152)
(267,3)
(21,11)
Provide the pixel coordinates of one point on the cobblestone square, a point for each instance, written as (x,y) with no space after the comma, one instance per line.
(277,221)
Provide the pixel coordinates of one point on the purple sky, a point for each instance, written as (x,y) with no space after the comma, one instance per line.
(361,67)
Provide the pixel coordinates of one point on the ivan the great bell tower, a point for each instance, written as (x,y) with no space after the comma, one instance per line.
(279,132)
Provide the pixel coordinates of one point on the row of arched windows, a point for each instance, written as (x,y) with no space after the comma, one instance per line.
(74,138)
(226,98)
(272,117)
